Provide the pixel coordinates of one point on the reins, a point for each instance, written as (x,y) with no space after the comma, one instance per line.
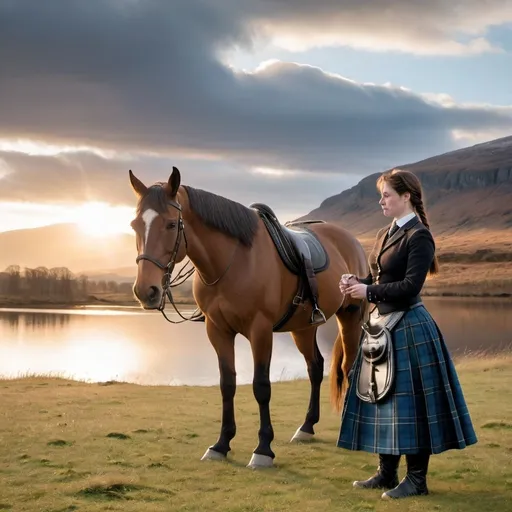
(168,282)
(223,273)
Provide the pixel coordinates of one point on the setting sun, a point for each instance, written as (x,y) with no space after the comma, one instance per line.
(101,220)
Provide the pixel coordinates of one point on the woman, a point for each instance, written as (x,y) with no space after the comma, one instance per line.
(425,412)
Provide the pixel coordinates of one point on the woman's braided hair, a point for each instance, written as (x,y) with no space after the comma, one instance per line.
(405,181)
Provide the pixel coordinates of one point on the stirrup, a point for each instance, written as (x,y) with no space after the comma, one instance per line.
(317,316)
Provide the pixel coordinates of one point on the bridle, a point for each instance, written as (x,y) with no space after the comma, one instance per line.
(167,281)
(183,274)
(172,261)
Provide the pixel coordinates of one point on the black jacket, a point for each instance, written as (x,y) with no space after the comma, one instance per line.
(399,266)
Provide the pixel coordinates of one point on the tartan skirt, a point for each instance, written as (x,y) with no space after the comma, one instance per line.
(425,410)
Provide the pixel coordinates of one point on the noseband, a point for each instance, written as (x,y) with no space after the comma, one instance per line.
(172,260)
(169,267)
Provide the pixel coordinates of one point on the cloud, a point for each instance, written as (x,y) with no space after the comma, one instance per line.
(435,27)
(83,177)
(145,79)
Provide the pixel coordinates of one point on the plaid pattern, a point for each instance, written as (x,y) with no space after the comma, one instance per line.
(425,411)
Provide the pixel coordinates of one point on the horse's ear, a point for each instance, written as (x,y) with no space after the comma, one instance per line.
(138,187)
(174,182)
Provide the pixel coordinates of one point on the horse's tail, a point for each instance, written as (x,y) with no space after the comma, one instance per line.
(340,351)
(336,373)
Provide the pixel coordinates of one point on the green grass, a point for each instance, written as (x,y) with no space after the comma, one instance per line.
(72,446)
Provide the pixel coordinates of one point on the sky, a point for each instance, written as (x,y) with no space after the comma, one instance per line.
(275,101)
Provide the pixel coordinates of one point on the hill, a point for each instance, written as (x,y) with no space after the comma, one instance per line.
(64,245)
(118,275)
(466,190)
(468,196)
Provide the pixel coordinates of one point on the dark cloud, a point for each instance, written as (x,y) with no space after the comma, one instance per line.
(79,177)
(146,76)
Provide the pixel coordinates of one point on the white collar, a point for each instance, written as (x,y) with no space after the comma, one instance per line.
(405,219)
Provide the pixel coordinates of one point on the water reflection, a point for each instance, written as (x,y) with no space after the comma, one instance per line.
(468,324)
(130,345)
(474,325)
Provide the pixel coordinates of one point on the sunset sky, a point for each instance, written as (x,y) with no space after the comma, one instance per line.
(276,101)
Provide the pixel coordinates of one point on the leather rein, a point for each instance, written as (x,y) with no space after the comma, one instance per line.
(168,282)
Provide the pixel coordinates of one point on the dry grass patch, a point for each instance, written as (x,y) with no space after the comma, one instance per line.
(155,464)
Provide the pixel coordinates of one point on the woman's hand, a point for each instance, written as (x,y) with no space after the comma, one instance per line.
(346,281)
(357,291)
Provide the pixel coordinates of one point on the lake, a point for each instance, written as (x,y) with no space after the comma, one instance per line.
(128,344)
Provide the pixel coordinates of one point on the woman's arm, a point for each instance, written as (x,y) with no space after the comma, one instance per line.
(421,253)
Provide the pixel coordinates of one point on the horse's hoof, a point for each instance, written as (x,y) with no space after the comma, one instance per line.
(260,461)
(213,455)
(301,436)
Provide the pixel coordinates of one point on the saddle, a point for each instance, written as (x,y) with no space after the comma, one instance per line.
(377,373)
(303,255)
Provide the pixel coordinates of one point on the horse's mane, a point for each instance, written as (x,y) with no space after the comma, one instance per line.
(229,217)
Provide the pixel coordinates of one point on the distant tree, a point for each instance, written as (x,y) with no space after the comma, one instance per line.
(4,279)
(53,282)
(83,286)
(14,279)
(57,283)
(64,283)
(125,288)
(42,282)
(101,286)
(112,287)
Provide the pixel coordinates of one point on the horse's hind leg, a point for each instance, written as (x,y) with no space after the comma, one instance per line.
(306,343)
(224,345)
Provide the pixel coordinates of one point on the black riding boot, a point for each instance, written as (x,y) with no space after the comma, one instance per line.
(386,476)
(415,482)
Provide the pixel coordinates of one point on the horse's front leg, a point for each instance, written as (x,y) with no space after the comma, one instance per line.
(261,344)
(224,344)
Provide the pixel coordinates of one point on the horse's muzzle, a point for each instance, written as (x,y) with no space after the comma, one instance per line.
(150,298)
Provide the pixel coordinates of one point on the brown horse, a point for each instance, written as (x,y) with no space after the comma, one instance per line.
(242,286)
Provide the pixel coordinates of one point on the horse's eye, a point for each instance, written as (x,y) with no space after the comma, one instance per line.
(170,225)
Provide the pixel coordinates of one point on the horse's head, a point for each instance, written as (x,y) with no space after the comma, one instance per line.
(160,237)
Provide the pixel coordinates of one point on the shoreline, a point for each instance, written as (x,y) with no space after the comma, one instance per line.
(47,304)
(501,359)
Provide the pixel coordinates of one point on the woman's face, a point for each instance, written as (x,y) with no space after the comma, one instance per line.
(392,204)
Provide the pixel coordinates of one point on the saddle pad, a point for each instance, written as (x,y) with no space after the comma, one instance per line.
(293,244)
(317,254)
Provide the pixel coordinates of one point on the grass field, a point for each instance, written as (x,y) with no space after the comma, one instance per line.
(72,446)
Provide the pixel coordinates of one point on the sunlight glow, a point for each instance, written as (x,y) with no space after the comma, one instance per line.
(475,137)
(102,220)
(25,215)
(100,356)
(268,171)
(272,172)
(94,218)
(40,148)
(92,355)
